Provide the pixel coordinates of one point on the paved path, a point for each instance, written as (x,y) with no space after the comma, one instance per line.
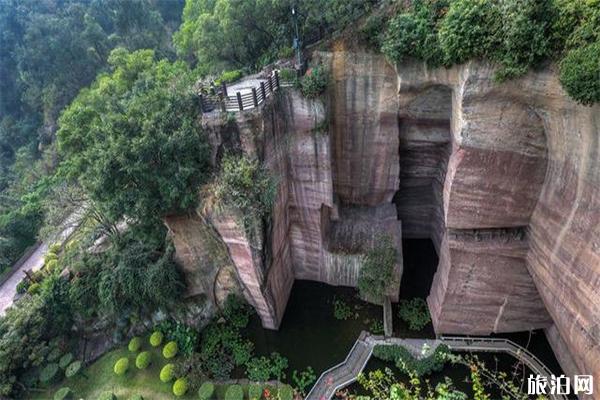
(34,262)
(347,371)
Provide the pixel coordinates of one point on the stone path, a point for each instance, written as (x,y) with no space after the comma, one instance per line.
(347,371)
(34,262)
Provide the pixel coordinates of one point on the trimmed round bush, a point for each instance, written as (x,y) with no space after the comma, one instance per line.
(143,360)
(170,350)
(54,248)
(180,387)
(206,391)
(107,396)
(121,366)
(49,257)
(156,339)
(136,397)
(65,360)
(51,265)
(73,369)
(134,344)
(63,393)
(255,391)
(286,392)
(234,392)
(167,373)
(34,288)
(54,355)
(49,373)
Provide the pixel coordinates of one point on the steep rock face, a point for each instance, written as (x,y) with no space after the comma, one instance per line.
(525,155)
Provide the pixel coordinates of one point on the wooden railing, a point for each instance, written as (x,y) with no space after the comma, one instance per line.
(244,98)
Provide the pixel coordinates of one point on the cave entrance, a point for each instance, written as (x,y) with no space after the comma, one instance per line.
(424,149)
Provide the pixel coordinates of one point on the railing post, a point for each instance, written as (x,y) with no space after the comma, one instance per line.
(201,103)
(254,97)
(263,91)
(239,99)
(270,81)
(224,87)
(276,73)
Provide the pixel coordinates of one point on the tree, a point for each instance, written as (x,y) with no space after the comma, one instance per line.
(132,140)
(376,274)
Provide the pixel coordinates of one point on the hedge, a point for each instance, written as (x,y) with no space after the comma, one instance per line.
(134,344)
(206,391)
(170,350)
(121,366)
(143,360)
(65,360)
(63,393)
(167,373)
(286,392)
(180,387)
(73,369)
(156,339)
(255,391)
(234,392)
(49,373)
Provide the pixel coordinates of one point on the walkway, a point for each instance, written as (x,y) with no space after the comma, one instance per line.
(33,262)
(347,371)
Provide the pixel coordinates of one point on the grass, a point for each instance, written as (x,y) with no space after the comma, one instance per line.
(99,377)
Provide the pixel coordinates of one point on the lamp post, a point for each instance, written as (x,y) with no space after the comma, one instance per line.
(296,38)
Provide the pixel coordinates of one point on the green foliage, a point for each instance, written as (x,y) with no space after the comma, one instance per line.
(142,361)
(229,76)
(180,387)
(234,392)
(285,392)
(255,391)
(185,336)
(206,391)
(34,288)
(236,311)
(288,75)
(63,393)
(342,310)
(167,373)
(222,348)
(245,187)
(65,360)
(136,397)
(132,139)
(303,380)
(580,72)
(135,344)
(23,286)
(121,366)
(107,396)
(54,354)
(405,361)
(415,313)
(170,350)
(376,274)
(73,369)
(49,374)
(315,82)
(376,326)
(261,369)
(156,338)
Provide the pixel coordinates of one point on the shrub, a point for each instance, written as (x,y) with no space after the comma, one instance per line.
(34,288)
(23,286)
(63,393)
(315,82)
(580,72)
(54,354)
(229,76)
(170,350)
(143,360)
(286,392)
(107,396)
(255,391)
(234,392)
(341,310)
(376,274)
(261,369)
(121,366)
(136,397)
(73,369)
(51,266)
(65,360)
(304,379)
(180,387)
(49,373)
(206,391)
(167,373)
(135,344)
(185,336)
(415,313)
(405,361)
(49,257)
(288,75)
(236,311)
(54,248)
(156,339)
